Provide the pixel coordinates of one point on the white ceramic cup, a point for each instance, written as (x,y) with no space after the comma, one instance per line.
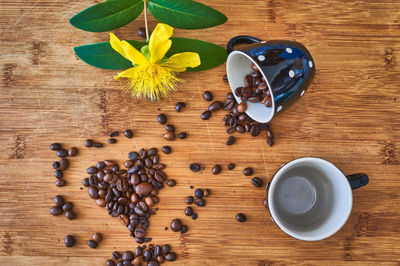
(311,199)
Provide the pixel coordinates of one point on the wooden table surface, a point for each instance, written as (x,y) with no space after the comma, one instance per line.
(349,116)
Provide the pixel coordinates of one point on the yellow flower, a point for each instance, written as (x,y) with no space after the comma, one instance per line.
(153,76)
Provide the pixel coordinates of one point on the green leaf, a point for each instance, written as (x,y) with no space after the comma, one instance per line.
(211,55)
(108,15)
(102,55)
(185,14)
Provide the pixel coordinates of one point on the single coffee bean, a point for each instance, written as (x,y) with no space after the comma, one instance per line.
(62,153)
(176,225)
(153,263)
(110,263)
(171,183)
(127,255)
(207,95)
(141,31)
(56,165)
(231,140)
(58,174)
(199,193)
(257,182)
(200,202)
(58,200)
(93,192)
(240,217)
(194,216)
(265,203)
(61,183)
(91,243)
(85,182)
(206,115)
(242,107)
(56,210)
(92,170)
(55,146)
(255,130)
(88,143)
(179,106)
(147,255)
(248,171)
(170,256)
(254,99)
(64,164)
(231,166)
(207,192)
(69,241)
(189,200)
(72,152)
(170,128)
(162,119)
(184,229)
(225,78)
(166,149)
(97,237)
(182,135)
(67,206)
(112,141)
(97,144)
(240,128)
(116,255)
(169,136)
(270,141)
(216,169)
(215,106)
(133,156)
(70,215)
(128,133)
(143,189)
(195,167)
(160,259)
(165,249)
(188,211)
(114,134)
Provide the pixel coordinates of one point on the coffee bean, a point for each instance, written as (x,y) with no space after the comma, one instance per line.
(206,115)
(91,243)
(194,216)
(72,152)
(228,104)
(242,107)
(112,141)
(70,215)
(114,134)
(64,164)
(254,99)
(116,255)
(58,200)
(207,192)
(184,229)
(270,141)
(225,78)
(215,106)
(141,31)
(62,153)
(195,167)
(231,166)
(91,170)
(179,106)
(199,193)
(56,165)
(188,211)
(265,203)
(182,135)
(231,140)
(207,95)
(56,210)
(97,237)
(128,133)
(153,263)
(127,255)
(169,136)
(254,67)
(58,174)
(97,144)
(248,171)
(69,241)
(55,146)
(88,143)
(170,128)
(93,192)
(147,255)
(189,200)
(216,169)
(143,189)
(200,202)
(166,149)
(85,182)
(161,259)
(162,119)
(110,263)
(176,225)
(257,182)
(240,217)
(67,206)
(61,183)
(170,256)
(133,156)
(171,183)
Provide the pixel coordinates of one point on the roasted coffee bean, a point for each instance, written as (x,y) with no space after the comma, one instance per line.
(188,211)
(62,153)
(171,183)
(114,134)
(200,202)
(216,169)
(255,130)
(242,117)
(128,133)
(148,162)
(116,255)
(92,180)
(152,171)
(247,81)
(265,203)
(184,229)
(170,128)
(215,106)
(269,134)
(69,241)
(127,255)
(248,171)
(231,166)
(240,128)
(115,168)
(70,215)
(56,210)
(58,174)
(157,250)
(195,167)
(230,130)
(242,107)
(165,249)
(228,104)
(88,143)
(170,256)
(55,146)
(255,99)
(207,95)
(147,255)
(128,163)
(139,240)
(63,164)
(207,192)
(182,135)
(160,259)
(179,106)
(270,141)
(109,163)
(153,263)
(133,156)
(199,193)
(189,200)
(138,251)
(176,225)
(110,263)
(97,237)
(240,217)
(61,183)
(93,192)
(162,119)
(225,78)
(194,216)
(58,200)
(231,140)
(149,201)
(247,127)
(257,182)
(143,189)
(91,170)
(206,115)
(56,165)
(141,31)
(254,67)
(169,136)
(97,144)
(112,141)
(91,243)
(72,152)
(67,206)
(166,149)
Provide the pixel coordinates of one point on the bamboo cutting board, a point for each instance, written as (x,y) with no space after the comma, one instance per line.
(349,116)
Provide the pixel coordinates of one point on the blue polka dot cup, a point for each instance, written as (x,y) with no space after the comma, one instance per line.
(287,68)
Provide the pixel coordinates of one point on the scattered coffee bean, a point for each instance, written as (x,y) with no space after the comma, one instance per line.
(189,200)
(61,183)
(88,143)
(207,95)
(216,169)
(58,200)
(231,166)
(270,141)
(85,182)
(64,164)
(166,149)
(194,216)
(56,210)
(257,182)
(114,134)
(200,202)
(67,206)
(176,225)
(242,107)
(112,141)
(141,31)
(62,153)
(170,128)
(91,243)
(231,140)
(170,256)
(69,241)
(169,136)
(72,152)
(188,211)
(110,263)
(199,193)
(248,171)
(97,237)
(195,167)
(70,215)
(184,229)
(240,217)
(179,106)
(128,133)
(171,183)
(97,144)
(182,135)
(265,203)
(225,78)
(207,192)
(55,146)
(56,165)
(162,119)
(206,115)
(215,106)
(58,174)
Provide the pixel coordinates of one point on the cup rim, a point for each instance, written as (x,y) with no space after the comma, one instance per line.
(288,231)
(238,99)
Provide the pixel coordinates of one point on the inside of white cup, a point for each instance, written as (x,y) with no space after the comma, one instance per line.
(238,65)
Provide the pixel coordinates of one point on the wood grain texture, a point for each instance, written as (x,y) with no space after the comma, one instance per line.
(349,116)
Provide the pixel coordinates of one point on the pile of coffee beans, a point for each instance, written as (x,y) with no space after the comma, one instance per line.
(199,200)
(152,255)
(63,163)
(61,207)
(96,239)
(128,193)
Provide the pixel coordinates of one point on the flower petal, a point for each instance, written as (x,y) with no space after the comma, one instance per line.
(179,62)
(159,42)
(127,50)
(126,74)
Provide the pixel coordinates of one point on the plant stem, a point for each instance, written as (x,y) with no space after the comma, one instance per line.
(145,20)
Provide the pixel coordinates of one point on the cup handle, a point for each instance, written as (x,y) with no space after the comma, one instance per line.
(241,39)
(357,180)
